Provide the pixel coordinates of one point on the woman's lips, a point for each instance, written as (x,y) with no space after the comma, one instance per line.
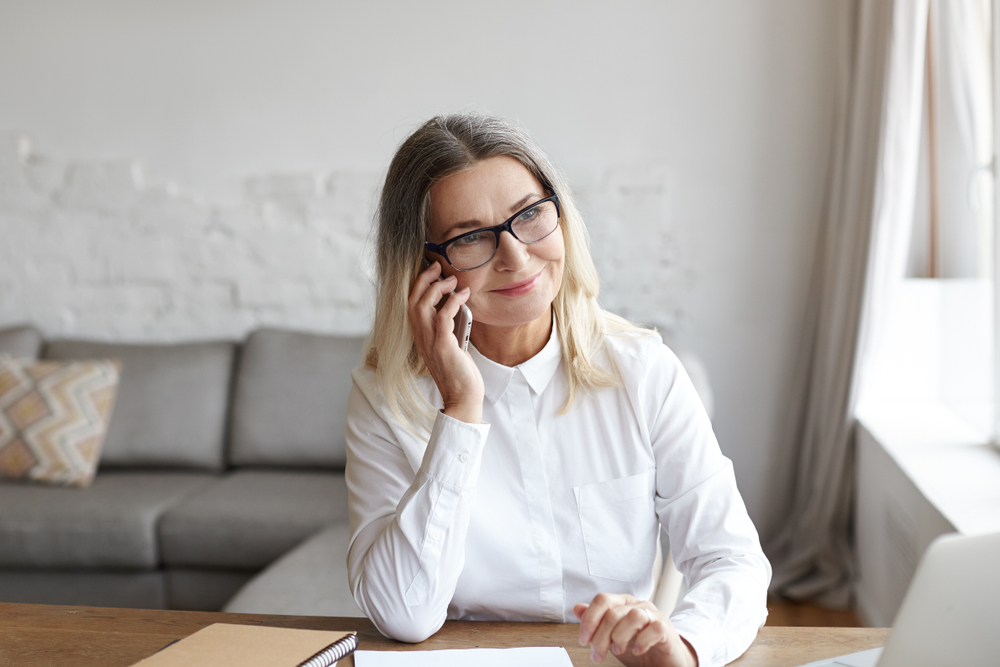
(523,287)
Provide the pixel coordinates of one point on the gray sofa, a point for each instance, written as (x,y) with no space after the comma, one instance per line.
(221,482)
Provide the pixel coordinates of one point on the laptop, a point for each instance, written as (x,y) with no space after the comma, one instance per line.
(951,612)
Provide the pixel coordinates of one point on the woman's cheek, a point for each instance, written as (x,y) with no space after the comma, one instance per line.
(475,296)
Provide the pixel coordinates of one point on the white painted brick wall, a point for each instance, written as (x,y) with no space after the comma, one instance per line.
(88,249)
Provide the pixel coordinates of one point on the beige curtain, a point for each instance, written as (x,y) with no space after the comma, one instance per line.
(861,254)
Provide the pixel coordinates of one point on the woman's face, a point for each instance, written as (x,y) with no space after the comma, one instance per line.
(519,284)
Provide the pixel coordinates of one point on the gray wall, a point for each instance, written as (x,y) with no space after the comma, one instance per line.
(240,142)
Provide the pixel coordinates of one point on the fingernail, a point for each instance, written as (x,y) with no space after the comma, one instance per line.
(614,649)
(593,655)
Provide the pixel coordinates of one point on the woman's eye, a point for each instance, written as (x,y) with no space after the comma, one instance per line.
(528,215)
(469,240)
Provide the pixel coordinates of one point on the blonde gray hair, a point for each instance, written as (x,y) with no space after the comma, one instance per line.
(443,146)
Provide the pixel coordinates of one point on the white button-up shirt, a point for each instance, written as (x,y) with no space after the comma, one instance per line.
(524,516)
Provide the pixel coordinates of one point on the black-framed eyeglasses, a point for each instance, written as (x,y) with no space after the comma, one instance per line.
(474,249)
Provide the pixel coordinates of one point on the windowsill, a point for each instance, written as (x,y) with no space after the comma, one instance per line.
(950,462)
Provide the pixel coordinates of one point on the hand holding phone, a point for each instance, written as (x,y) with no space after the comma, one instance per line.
(463,323)
(463,319)
(456,375)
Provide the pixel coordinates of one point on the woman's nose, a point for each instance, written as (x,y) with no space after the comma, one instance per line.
(511,254)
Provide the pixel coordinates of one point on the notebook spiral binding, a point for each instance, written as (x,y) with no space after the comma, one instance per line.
(333,652)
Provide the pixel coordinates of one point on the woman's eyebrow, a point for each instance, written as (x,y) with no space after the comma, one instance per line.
(476,224)
(468,224)
(521,203)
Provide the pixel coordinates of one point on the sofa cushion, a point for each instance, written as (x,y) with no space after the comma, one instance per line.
(112,524)
(310,580)
(53,418)
(172,399)
(250,518)
(203,590)
(89,588)
(290,399)
(24,342)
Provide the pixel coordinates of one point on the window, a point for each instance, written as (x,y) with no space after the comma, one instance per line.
(950,292)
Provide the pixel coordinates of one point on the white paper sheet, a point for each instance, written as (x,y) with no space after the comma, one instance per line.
(531,656)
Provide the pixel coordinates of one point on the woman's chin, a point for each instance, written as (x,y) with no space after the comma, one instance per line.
(514,318)
(505,311)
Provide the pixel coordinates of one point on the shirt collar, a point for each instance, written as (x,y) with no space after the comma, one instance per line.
(537,371)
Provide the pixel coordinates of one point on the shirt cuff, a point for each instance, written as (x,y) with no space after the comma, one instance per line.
(454,452)
(701,639)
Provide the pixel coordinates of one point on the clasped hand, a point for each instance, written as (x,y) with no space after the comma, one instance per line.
(454,372)
(634,630)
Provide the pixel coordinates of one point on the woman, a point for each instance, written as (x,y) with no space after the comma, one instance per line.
(527,479)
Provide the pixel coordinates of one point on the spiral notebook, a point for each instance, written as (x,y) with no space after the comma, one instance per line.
(227,645)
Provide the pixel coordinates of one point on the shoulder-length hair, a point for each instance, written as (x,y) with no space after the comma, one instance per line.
(443,146)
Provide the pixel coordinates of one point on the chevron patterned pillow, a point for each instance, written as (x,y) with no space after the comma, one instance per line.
(53,418)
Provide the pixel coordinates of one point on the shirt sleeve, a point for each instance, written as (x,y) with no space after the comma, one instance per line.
(712,539)
(407,529)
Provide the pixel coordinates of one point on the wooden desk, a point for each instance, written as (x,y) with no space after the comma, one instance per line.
(42,635)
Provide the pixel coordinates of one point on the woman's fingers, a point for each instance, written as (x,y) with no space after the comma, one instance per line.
(425,279)
(433,305)
(600,619)
(427,292)
(657,631)
(628,627)
(432,322)
(593,615)
(429,300)
(600,644)
(445,317)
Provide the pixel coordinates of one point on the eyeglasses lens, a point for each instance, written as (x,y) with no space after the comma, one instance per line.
(536,223)
(475,249)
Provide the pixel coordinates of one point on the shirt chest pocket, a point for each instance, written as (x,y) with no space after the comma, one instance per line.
(619,525)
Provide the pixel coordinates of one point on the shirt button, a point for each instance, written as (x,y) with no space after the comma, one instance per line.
(435,535)
(463,457)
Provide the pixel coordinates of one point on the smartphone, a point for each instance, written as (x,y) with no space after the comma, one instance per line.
(463,327)
(463,320)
